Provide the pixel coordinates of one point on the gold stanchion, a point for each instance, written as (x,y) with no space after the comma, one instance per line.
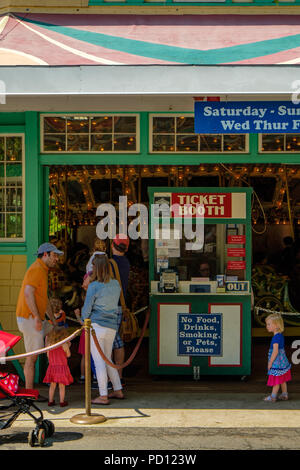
(87,417)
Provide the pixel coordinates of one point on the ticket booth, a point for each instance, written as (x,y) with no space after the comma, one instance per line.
(200,281)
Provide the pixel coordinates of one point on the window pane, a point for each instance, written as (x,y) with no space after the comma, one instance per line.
(101,142)
(210,143)
(101,124)
(77,124)
(185,125)
(293,142)
(55,143)
(14,149)
(14,225)
(234,143)
(2,180)
(126,143)
(187,143)
(163,124)
(124,124)
(77,143)
(54,125)
(2,199)
(2,153)
(89,134)
(2,225)
(13,173)
(272,142)
(11,199)
(163,143)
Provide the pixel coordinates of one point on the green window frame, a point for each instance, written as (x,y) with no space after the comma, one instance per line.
(176,135)
(90,133)
(282,143)
(12,188)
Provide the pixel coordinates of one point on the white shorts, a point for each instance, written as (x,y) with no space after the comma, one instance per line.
(33,339)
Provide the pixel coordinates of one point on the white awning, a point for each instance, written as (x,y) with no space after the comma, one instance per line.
(189,80)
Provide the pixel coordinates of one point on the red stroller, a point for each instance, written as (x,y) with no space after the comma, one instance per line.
(22,400)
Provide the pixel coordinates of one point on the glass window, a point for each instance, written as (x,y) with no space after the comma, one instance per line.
(279,143)
(12,188)
(176,134)
(110,133)
(218,251)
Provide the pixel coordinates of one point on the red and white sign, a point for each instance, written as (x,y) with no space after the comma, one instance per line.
(236,265)
(236,239)
(209,205)
(236,252)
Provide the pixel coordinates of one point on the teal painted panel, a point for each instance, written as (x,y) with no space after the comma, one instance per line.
(12,119)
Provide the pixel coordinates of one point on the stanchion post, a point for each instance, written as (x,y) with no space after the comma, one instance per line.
(88,417)
(87,365)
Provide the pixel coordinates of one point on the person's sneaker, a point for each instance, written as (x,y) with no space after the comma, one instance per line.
(81,380)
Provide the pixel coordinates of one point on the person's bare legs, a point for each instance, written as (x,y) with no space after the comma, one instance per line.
(119,357)
(52,391)
(29,371)
(62,391)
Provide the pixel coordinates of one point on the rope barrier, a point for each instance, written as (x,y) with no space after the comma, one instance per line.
(133,354)
(274,311)
(40,351)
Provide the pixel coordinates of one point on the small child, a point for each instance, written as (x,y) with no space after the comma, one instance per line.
(58,371)
(59,314)
(279,368)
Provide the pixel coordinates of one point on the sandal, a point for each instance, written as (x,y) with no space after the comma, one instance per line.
(270,398)
(118,396)
(283,396)
(100,401)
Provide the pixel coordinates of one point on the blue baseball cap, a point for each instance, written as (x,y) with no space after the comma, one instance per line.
(47,247)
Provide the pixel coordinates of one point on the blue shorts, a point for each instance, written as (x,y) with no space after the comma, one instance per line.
(118,342)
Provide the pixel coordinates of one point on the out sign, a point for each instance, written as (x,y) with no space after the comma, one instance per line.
(237,286)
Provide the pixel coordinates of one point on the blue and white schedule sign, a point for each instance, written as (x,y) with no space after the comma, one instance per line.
(244,117)
(200,334)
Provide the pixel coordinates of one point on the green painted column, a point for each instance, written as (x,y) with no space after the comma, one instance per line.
(34,202)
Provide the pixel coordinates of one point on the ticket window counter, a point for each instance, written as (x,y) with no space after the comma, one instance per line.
(200,273)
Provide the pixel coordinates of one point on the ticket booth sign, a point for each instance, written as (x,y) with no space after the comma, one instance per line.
(200,334)
(237,286)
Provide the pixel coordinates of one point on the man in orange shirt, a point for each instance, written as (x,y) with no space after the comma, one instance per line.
(33,304)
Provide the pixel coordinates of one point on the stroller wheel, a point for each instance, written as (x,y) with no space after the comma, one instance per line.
(41,436)
(49,427)
(31,438)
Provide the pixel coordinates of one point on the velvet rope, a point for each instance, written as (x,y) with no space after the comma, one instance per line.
(133,354)
(40,351)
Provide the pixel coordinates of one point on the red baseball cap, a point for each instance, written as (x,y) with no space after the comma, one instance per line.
(121,241)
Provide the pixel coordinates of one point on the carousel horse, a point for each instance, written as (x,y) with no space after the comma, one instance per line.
(275,292)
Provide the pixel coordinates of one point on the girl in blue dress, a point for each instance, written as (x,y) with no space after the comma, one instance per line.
(279,368)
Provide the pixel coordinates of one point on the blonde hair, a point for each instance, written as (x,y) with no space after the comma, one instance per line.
(277,319)
(101,269)
(57,334)
(56,304)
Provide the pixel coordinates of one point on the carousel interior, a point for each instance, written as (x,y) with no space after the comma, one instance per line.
(77,191)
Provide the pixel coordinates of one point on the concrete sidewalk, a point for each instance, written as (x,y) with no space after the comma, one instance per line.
(171,415)
(167,403)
